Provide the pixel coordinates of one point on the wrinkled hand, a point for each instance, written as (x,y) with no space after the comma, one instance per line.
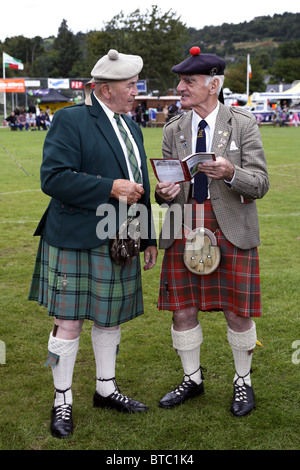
(150,257)
(127,191)
(221,169)
(167,191)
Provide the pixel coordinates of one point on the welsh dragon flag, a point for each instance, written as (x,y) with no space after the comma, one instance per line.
(12,63)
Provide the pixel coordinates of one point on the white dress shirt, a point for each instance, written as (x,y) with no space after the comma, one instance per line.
(209,131)
(110,115)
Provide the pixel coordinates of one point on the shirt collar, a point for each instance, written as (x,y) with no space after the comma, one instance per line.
(108,112)
(210,119)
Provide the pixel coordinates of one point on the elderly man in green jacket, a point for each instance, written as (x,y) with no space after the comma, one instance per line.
(92,166)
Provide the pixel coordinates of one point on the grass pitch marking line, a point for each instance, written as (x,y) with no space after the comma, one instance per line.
(2,222)
(13,158)
(293,214)
(21,191)
(283,175)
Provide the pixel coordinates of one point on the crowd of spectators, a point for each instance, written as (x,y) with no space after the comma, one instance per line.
(285,117)
(31,119)
(143,116)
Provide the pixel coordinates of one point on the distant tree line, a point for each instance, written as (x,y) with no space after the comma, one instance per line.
(163,40)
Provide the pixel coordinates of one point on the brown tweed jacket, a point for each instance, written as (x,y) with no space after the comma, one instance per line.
(238,139)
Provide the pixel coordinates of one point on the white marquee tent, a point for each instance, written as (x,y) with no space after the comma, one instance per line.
(292,93)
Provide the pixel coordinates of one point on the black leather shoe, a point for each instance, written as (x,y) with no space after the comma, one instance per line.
(243,400)
(61,421)
(118,401)
(187,389)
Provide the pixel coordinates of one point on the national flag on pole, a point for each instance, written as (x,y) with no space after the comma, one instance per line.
(11,63)
(249,71)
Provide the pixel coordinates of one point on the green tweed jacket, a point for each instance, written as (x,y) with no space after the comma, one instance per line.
(238,139)
(82,157)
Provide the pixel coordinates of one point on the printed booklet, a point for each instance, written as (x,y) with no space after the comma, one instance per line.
(174,170)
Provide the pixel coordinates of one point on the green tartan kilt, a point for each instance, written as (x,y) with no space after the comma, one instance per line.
(86,284)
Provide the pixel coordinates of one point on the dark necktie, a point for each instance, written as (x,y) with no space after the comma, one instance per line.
(130,151)
(200,180)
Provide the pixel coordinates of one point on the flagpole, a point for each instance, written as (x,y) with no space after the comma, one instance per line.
(4,93)
(14,63)
(248,63)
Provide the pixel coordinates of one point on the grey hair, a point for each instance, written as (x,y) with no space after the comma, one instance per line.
(209,78)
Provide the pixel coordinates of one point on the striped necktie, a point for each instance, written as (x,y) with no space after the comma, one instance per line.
(200,180)
(130,151)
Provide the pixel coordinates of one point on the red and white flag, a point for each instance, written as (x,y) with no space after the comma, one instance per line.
(11,63)
(249,71)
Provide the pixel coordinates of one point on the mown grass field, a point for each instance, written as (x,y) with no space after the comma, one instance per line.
(147,367)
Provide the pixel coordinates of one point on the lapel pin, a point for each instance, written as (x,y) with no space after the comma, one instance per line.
(183,141)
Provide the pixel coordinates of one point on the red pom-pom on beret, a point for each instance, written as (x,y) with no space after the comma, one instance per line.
(195,50)
(199,63)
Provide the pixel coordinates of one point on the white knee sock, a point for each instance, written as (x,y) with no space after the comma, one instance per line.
(242,345)
(63,371)
(187,343)
(105,343)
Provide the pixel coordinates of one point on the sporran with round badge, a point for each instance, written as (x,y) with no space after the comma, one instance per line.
(201,254)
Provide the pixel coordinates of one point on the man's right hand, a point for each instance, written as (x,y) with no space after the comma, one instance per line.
(127,191)
(167,191)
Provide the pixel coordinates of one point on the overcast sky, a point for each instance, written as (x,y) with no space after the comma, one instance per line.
(42,18)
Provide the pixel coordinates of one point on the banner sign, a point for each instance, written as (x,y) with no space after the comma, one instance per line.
(32,83)
(142,86)
(39,92)
(78,84)
(58,83)
(12,85)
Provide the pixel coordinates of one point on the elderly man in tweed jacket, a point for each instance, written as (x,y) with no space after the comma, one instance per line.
(233,182)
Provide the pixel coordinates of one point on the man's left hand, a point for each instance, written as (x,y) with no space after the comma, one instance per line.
(150,257)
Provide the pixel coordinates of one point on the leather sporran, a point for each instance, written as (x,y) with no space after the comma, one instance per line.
(201,254)
(126,244)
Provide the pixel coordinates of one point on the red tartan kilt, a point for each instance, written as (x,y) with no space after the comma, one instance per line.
(234,285)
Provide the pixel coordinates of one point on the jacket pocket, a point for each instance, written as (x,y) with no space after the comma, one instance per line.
(72,210)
